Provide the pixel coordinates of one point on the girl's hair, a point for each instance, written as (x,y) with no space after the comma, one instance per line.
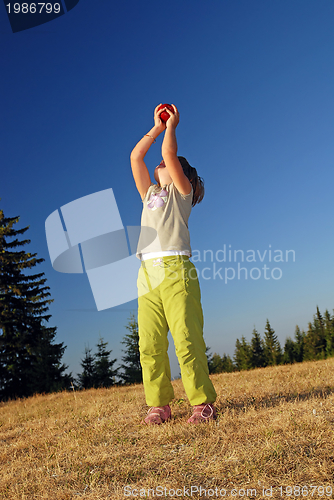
(196,181)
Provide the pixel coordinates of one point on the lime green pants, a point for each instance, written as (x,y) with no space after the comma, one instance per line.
(169,298)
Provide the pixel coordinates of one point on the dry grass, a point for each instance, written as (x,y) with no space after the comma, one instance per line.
(275,428)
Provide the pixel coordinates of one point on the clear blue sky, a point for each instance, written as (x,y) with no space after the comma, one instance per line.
(253,81)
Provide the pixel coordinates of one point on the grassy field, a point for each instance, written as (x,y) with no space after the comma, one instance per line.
(275,430)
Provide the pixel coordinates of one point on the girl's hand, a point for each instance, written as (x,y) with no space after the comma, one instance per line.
(158,123)
(174,118)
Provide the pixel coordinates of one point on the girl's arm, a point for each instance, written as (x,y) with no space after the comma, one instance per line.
(169,154)
(139,169)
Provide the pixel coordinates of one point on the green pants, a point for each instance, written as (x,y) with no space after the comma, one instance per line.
(169,298)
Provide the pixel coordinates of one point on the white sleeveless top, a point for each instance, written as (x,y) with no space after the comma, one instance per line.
(167,211)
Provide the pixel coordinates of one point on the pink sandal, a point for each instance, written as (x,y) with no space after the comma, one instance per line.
(202,413)
(158,415)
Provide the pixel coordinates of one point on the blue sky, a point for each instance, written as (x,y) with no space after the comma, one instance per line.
(253,83)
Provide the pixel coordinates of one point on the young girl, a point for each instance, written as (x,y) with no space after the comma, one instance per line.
(175,301)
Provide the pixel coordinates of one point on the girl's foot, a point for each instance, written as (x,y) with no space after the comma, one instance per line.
(202,413)
(158,415)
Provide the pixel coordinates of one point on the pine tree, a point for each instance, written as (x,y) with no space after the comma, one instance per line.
(242,354)
(315,339)
(289,351)
(294,349)
(329,330)
(46,372)
(311,344)
(214,363)
(209,357)
(299,345)
(272,349)
(132,372)
(29,360)
(319,321)
(87,377)
(257,353)
(105,374)
(221,364)
(227,364)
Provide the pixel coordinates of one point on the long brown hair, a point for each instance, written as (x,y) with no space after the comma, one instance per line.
(195,180)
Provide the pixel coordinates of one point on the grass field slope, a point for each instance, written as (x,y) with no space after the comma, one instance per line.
(273,438)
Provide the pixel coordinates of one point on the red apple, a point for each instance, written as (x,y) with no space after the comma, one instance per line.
(164,115)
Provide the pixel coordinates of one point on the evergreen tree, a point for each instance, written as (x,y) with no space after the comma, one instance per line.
(29,360)
(46,373)
(105,374)
(87,377)
(289,351)
(242,354)
(209,358)
(310,347)
(294,349)
(315,339)
(271,347)
(319,321)
(257,352)
(227,364)
(299,345)
(132,372)
(329,331)
(221,364)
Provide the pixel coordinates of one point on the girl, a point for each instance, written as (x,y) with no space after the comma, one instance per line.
(174,302)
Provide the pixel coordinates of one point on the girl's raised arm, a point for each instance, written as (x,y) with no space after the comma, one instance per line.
(169,154)
(139,169)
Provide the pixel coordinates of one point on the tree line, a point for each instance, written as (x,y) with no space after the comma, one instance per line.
(316,343)
(30,360)
(98,370)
